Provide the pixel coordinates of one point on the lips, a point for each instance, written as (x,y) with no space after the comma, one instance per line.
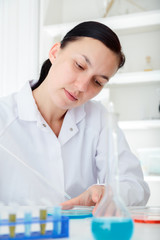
(70,96)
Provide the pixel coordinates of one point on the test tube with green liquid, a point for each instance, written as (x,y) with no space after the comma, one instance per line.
(13,208)
(43,216)
(12,219)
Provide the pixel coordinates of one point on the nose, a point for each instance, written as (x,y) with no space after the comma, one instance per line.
(82,84)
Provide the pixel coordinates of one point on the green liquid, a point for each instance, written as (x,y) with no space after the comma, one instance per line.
(12,218)
(43,216)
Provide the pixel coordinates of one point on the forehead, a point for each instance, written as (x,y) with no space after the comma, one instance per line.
(85,42)
(92,48)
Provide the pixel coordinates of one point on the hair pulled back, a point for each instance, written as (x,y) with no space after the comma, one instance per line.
(93,30)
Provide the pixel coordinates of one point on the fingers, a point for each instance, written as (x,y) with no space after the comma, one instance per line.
(97,193)
(90,197)
(66,207)
(95,208)
(70,203)
(96,196)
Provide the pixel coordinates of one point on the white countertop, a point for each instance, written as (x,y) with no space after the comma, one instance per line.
(80,230)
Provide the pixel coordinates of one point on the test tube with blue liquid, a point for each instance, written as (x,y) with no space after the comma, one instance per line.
(27,220)
(112,219)
(1,210)
(57,220)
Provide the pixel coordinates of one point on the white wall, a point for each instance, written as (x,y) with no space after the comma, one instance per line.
(61,11)
(19,43)
(139,45)
(75,10)
(136,101)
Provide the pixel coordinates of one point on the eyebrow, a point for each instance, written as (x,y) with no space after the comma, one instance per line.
(88,61)
(105,77)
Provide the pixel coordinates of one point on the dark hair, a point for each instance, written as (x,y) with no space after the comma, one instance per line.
(90,29)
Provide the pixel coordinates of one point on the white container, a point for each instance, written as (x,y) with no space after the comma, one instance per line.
(150,160)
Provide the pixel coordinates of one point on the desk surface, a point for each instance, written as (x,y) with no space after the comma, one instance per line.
(80,230)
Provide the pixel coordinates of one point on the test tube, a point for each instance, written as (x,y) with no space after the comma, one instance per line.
(27,220)
(43,216)
(12,219)
(57,218)
(28,216)
(1,208)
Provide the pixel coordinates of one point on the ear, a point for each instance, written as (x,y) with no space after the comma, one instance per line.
(54,51)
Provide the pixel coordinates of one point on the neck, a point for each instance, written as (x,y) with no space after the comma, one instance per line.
(51,113)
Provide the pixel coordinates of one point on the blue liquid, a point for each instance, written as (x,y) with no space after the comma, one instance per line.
(28,218)
(112,228)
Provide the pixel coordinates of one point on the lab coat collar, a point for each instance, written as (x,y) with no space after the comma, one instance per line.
(27,108)
(28,111)
(77,114)
(69,126)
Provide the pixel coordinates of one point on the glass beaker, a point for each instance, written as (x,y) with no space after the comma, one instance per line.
(112,220)
(148,64)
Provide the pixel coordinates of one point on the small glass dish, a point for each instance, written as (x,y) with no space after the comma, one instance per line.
(78,212)
(145,214)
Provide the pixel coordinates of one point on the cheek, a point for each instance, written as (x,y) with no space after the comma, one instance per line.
(93,92)
(65,74)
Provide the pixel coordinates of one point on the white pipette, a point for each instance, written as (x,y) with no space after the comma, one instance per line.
(35,172)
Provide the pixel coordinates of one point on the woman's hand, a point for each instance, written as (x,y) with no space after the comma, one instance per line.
(91,197)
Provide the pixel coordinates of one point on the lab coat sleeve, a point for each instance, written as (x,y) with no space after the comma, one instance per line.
(18,183)
(133,189)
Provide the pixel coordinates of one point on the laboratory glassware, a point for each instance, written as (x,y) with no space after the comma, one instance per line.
(145,214)
(112,220)
(19,227)
(148,64)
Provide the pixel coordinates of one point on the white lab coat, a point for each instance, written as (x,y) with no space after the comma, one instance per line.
(46,166)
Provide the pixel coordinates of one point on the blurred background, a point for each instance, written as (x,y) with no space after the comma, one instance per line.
(29,28)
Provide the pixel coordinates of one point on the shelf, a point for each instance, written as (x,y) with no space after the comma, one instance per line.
(152,178)
(136,77)
(135,22)
(142,125)
(124,24)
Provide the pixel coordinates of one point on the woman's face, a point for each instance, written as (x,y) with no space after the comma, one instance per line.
(79,71)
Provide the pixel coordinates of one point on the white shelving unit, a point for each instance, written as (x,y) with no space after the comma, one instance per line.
(152,178)
(141,125)
(124,24)
(136,77)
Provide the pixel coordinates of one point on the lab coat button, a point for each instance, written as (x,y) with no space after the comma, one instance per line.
(44,125)
(71,129)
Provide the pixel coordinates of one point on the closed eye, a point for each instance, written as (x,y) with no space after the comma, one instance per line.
(98,83)
(79,66)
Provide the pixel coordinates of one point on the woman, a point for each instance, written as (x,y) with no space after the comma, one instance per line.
(57,136)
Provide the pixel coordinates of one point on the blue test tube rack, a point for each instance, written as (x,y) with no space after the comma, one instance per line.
(63,221)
